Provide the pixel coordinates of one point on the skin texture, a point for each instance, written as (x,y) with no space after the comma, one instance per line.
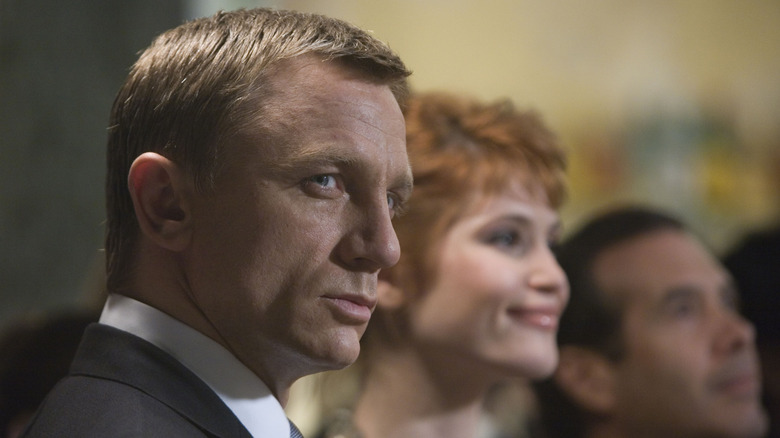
(279,264)
(499,291)
(690,367)
(490,314)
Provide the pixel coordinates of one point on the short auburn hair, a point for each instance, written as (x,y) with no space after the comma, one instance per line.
(206,79)
(463,151)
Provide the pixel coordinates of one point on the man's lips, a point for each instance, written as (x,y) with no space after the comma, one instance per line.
(744,384)
(739,378)
(545,318)
(351,308)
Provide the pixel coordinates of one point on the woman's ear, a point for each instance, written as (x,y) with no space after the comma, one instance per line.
(588,378)
(160,193)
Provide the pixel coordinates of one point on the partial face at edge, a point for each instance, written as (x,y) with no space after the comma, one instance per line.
(690,367)
(287,251)
(499,292)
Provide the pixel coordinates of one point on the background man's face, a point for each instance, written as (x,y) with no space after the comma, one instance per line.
(288,250)
(690,365)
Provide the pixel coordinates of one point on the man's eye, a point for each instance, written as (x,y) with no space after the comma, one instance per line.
(683,309)
(326,185)
(396,205)
(731,301)
(326,181)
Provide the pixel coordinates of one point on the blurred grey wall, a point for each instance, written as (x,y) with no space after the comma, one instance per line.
(61,63)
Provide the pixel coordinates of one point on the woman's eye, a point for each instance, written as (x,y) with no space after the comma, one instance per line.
(504,238)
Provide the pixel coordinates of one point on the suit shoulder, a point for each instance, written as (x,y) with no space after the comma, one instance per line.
(82,406)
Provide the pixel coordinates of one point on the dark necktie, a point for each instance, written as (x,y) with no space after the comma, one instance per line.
(294,432)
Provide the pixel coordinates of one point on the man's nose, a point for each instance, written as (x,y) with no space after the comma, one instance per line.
(735,332)
(372,243)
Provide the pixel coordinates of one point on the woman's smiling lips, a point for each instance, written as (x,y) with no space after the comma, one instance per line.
(545,318)
(351,309)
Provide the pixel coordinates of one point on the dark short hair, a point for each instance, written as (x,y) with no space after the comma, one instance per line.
(206,79)
(591,319)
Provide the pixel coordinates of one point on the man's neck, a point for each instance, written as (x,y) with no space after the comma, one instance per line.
(244,393)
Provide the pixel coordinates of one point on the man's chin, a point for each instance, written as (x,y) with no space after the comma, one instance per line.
(757,425)
(748,422)
(341,352)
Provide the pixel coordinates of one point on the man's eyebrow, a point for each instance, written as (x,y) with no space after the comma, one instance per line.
(681,290)
(729,294)
(320,153)
(405,182)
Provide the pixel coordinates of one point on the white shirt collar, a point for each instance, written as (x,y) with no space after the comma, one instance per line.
(238,387)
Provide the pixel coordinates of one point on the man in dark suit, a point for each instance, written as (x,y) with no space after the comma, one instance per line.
(255,161)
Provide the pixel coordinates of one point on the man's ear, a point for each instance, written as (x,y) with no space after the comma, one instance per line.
(588,378)
(389,296)
(159,190)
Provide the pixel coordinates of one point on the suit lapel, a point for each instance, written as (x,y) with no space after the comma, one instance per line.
(108,353)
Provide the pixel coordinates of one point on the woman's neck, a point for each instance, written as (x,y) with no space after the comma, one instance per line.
(406,394)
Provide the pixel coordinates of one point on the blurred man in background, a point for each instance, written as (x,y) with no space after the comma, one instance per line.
(652,344)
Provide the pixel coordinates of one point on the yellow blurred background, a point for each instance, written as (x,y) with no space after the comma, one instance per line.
(675,103)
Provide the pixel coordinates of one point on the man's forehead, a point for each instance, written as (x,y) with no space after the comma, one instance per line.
(293,78)
(307,86)
(630,270)
(649,268)
(318,113)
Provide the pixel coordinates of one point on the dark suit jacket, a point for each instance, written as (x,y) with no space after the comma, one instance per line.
(122,386)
